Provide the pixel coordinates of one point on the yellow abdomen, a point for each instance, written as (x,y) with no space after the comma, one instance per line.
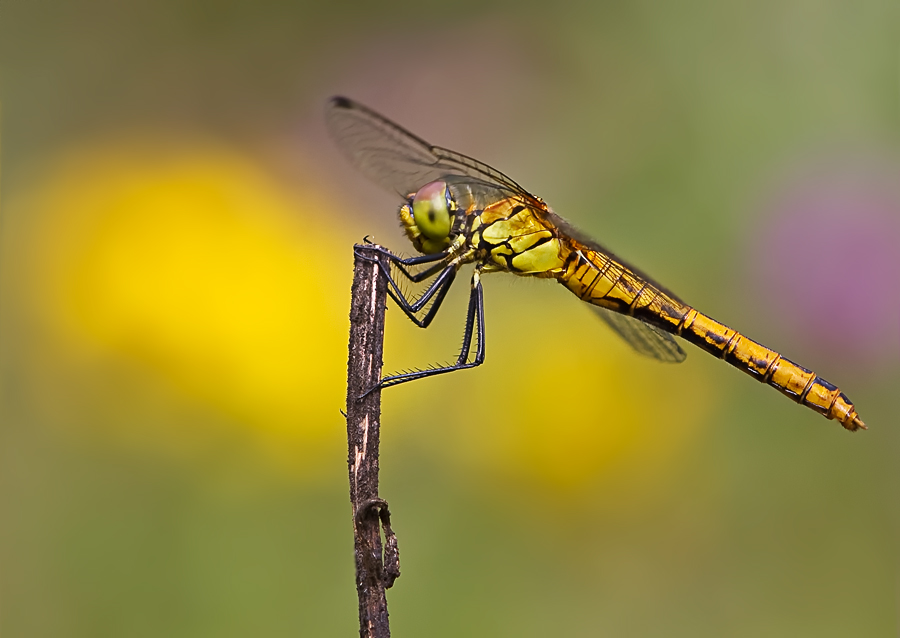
(603,281)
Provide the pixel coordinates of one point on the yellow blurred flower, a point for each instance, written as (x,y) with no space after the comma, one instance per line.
(187,262)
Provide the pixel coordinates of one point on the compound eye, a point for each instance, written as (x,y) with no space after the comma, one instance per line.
(431,210)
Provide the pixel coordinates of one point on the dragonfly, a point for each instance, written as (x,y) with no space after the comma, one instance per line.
(457,211)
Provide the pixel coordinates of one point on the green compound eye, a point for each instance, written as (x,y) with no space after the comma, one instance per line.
(431,210)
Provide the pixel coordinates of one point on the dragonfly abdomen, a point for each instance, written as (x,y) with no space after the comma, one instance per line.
(603,281)
(767,366)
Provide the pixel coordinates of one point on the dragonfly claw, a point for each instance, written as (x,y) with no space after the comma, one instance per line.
(357,249)
(362,396)
(359,252)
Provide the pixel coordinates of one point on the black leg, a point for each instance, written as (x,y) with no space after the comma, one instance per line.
(474,316)
(437,289)
(400,263)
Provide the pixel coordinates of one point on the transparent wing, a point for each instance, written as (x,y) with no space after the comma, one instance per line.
(400,161)
(646,339)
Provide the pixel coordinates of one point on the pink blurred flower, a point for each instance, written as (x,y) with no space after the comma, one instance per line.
(828,254)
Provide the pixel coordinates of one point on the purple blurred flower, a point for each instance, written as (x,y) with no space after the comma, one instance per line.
(828,255)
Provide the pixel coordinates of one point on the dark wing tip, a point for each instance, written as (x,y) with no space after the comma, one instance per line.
(340,102)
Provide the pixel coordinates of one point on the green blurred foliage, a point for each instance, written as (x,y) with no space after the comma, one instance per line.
(159,486)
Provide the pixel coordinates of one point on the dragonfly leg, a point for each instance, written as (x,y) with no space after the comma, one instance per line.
(402,262)
(474,317)
(437,289)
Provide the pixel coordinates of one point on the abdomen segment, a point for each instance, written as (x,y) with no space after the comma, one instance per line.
(794,381)
(603,281)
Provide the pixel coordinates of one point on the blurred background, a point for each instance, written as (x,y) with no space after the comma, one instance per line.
(176,255)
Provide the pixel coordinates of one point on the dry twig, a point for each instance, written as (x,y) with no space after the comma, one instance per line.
(377,566)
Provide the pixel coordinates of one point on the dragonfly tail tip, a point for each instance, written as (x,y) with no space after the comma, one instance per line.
(854,423)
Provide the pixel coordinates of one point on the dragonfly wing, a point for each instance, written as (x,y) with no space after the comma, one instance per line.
(398,160)
(403,162)
(646,339)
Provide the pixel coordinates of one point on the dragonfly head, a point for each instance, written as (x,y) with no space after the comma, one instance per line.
(427,217)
